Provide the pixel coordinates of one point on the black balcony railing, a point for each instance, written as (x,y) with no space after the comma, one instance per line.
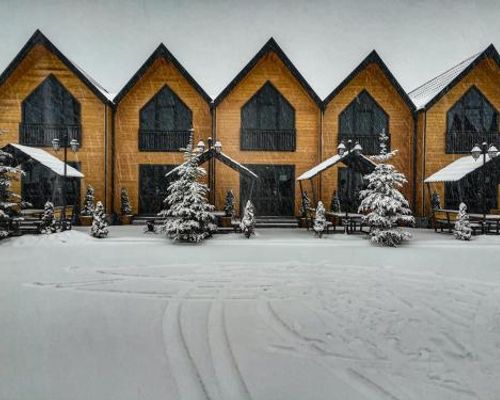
(268,140)
(41,135)
(462,142)
(155,140)
(369,143)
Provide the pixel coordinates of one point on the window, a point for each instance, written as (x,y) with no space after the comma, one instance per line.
(165,122)
(48,113)
(268,122)
(153,187)
(471,120)
(364,120)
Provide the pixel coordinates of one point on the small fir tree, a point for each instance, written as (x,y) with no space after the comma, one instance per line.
(229,204)
(189,216)
(99,228)
(435,201)
(48,219)
(335,203)
(305,204)
(386,206)
(248,222)
(88,205)
(319,220)
(10,202)
(125,206)
(462,231)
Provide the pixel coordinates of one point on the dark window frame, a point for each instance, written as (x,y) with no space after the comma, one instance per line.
(140,199)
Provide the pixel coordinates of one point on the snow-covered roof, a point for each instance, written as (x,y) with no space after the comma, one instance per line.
(457,170)
(328,163)
(97,85)
(48,160)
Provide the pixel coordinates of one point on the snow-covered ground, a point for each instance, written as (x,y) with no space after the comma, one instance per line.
(282,315)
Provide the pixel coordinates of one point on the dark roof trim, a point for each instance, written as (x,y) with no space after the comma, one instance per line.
(373,57)
(270,46)
(489,52)
(39,38)
(161,52)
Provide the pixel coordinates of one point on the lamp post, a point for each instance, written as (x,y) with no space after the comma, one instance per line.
(476,152)
(56,145)
(357,150)
(217,147)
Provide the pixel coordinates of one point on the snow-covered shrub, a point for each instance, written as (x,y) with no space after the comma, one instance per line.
(125,206)
(305,204)
(229,204)
(48,219)
(99,228)
(10,202)
(462,231)
(335,203)
(386,206)
(88,204)
(383,144)
(435,201)
(319,220)
(189,216)
(247,225)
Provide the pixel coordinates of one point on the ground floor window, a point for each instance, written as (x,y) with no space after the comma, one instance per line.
(469,190)
(350,183)
(153,187)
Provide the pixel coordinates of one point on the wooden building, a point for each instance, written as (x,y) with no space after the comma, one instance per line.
(456,110)
(154,114)
(44,95)
(367,102)
(267,118)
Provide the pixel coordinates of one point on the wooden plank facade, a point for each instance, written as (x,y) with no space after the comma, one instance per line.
(268,118)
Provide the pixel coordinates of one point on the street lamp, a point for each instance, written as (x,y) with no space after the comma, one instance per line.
(56,145)
(476,152)
(201,146)
(218,146)
(357,150)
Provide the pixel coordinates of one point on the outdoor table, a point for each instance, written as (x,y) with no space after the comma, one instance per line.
(489,221)
(350,222)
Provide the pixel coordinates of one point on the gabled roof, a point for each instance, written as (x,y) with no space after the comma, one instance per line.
(373,57)
(161,52)
(430,92)
(39,38)
(270,46)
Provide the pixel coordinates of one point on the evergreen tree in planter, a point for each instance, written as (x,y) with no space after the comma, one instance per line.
(386,206)
(435,201)
(319,220)
(335,204)
(247,225)
(99,228)
(48,219)
(462,231)
(190,217)
(229,204)
(125,207)
(305,204)
(10,202)
(88,205)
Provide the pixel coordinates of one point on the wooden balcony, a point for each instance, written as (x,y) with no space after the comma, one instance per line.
(369,143)
(268,140)
(41,135)
(463,142)
(155,140)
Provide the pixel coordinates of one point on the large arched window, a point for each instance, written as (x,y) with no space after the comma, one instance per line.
(472,119)
(268,122)
(49,112)
(364,120)
(165,122)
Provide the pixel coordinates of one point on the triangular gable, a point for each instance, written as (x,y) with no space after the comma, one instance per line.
(270,46)
(373,57)
(426,95)
(161,52)
(39,38)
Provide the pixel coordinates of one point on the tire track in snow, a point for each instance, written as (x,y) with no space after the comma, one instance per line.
(186,375)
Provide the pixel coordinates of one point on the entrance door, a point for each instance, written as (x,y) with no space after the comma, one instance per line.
(273,194)
(153,187)
(350,183)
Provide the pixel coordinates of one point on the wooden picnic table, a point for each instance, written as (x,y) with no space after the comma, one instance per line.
(352,223)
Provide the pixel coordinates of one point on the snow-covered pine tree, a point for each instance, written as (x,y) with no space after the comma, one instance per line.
(88,205)
(305,204)
(435,201)
(48,219)
(386,206)
(319,220)
(335,203)
(247,224)
(99,228)
(229,204)
(125,207)
(383,154)
(189,216)
(462,231)
(10,202)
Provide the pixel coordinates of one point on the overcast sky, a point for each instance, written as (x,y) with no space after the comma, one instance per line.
(214,39)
